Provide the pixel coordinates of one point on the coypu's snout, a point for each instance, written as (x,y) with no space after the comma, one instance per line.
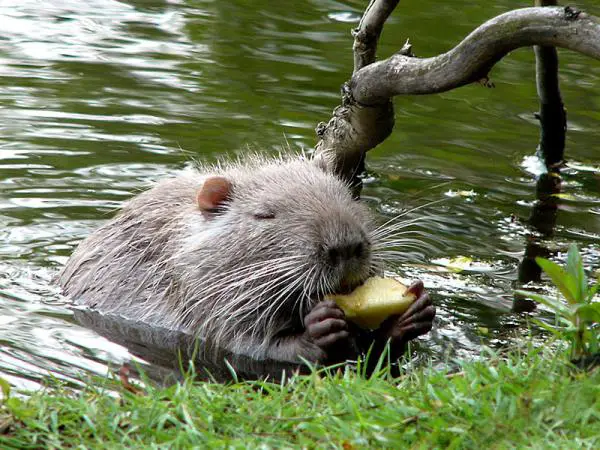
(347,255)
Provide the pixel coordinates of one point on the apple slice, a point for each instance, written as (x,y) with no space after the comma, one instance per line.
(374,301)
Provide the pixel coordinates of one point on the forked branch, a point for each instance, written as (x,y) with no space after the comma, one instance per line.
(472,59)
(366,116)
(366,35)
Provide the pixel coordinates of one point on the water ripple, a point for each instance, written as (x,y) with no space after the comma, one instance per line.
(100,98)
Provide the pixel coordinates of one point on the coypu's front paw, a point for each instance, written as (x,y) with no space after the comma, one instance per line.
(326,328)
(414,322)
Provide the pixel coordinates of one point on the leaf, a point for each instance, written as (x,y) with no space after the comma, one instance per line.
(592,291)
(575,269)
(564,196)
(554,304)
(552,329)
(20,409)
(124,374)
(566,284)
(459,263)
(592,337)
(589,313)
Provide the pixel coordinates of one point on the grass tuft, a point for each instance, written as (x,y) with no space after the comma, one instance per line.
(533,401)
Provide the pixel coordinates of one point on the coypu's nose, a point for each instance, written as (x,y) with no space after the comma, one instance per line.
(340,253)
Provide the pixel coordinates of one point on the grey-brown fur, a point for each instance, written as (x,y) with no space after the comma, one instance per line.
(162,260)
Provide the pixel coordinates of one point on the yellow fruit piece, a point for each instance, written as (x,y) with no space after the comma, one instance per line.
(374,301)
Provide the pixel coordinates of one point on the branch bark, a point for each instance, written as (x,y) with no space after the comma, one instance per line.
(366,35)
(351,132)
(365,117)
(355,129)
(472,59)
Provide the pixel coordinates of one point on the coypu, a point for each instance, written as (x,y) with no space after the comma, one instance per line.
(241,255)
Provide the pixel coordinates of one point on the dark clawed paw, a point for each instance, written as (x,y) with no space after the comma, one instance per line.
(416,321)
(326,325)
(412,328)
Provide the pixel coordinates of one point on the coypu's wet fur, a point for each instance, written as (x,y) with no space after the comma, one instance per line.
(240,255)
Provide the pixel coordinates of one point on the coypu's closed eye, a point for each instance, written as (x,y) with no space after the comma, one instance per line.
(264,215)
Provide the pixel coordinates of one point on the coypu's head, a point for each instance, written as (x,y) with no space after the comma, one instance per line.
(274,238)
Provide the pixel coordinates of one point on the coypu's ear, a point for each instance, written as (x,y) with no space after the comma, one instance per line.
(213,194)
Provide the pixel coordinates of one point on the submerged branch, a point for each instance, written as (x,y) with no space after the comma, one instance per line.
(552,114)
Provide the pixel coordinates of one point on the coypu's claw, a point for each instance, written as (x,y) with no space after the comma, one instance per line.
(416,320)
(326,327)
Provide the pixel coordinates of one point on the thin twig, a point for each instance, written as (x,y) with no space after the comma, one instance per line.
(366,35)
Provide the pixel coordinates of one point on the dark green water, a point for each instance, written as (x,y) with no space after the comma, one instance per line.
(100,97)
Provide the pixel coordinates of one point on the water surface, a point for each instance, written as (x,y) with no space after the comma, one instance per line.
(99,98)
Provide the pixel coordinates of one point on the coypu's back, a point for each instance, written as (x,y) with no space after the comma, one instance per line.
(122,266)
(236,264)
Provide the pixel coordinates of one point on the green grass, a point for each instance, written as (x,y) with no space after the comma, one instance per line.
(516,401)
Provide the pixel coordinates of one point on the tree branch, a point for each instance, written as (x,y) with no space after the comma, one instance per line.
(472,59)
(366,116)
(354,129)
(366,35)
